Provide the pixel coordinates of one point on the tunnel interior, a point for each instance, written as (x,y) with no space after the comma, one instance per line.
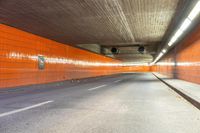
(73,37)
(99,66)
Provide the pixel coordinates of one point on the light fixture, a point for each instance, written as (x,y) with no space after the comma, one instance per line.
(178,34)
(161,54)
(170,43)
(164,50)
(185,24)
(195,11)
(175,37)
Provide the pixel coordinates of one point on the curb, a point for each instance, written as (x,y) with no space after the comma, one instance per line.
(185,96)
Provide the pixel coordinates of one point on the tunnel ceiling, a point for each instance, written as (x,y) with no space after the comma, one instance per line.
(124,24)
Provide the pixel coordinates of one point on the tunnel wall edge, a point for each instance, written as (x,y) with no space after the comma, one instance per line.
(183,61)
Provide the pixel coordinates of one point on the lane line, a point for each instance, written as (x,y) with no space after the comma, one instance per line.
(24,109)
(97,87)
(117,81)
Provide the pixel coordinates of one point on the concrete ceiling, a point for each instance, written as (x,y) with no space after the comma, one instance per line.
(124,24)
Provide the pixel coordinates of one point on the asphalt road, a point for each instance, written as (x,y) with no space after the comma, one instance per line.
(126,103)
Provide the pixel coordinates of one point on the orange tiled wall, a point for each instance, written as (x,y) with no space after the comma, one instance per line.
(183,61)
(19,53)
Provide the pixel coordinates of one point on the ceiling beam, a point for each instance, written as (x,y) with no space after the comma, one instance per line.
(135,44)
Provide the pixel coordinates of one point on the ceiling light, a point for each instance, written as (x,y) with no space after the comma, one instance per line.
(161,54)
(164,50)
(195,11)
(185,24)
(170,43)
(178,34)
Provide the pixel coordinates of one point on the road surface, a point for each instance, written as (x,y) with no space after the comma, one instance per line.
(125,103)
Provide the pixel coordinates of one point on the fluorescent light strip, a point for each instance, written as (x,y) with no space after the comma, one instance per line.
(170,43)
(164,50)
(178,34)
(161,54)
(195,11)
(187,22)
(175,37)
(158,57)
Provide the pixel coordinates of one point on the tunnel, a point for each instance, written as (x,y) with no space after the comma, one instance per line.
(100,66)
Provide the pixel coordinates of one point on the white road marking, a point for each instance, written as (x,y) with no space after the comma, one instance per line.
(24,109)
(96,87)
(117,81)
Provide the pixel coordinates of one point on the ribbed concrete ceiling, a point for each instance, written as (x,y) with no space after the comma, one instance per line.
(103,22)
